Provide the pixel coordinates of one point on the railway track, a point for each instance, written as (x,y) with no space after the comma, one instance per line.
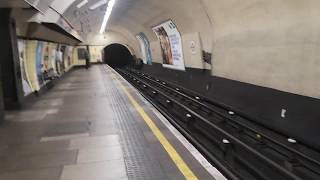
(238,147)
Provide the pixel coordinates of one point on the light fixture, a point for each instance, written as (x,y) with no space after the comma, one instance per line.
(107,16)
(98,4)
(82,3)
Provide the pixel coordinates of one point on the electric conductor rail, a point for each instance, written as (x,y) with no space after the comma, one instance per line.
(238,148)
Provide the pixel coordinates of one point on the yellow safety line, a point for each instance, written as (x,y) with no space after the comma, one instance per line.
(183,167)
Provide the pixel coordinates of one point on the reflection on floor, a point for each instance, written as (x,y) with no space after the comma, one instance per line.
(86,129)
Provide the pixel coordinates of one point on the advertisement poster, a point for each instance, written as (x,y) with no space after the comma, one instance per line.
(46,54)
(95,53)
(171,45)
(62,64)
(145,48)
(39,65)
(22,57)
(53,58)
(68,56)
(82,53)
(58,60)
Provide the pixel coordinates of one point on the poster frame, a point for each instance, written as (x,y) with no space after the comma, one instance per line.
(182,49)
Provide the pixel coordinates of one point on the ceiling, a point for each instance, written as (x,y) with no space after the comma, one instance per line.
(83,19)
(87,21)
(129,17)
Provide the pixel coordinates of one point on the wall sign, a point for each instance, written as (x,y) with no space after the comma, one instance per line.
(193,47)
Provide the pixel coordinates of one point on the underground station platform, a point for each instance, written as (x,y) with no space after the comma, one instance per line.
(94,125)
(159,90)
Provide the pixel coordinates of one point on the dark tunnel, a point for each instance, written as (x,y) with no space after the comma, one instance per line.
(117,55)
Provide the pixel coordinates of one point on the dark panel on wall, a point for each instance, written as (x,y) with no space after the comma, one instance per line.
(264,104)
(82,53)
(10,66)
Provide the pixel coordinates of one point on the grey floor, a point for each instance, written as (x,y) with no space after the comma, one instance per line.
(86,129)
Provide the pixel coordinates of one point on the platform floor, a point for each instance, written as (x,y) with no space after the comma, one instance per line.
(93,125)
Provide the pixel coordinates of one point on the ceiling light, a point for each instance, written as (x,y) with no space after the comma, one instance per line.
(98,4)
(107,16)
(82,3)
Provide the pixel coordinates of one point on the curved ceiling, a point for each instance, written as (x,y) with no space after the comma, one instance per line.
(130,17)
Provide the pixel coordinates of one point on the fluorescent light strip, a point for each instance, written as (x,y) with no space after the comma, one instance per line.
(98,4)
(82,3)
(107,16)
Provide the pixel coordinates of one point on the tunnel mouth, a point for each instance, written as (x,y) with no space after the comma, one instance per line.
(117,55)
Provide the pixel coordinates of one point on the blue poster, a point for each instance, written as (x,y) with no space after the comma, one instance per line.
(39,63)
(145,48)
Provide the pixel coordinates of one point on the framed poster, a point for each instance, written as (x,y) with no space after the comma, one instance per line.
(171,45)
(82,53)
(53,53)
(39,64)
(62,52)
(24,76)
(46,54)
